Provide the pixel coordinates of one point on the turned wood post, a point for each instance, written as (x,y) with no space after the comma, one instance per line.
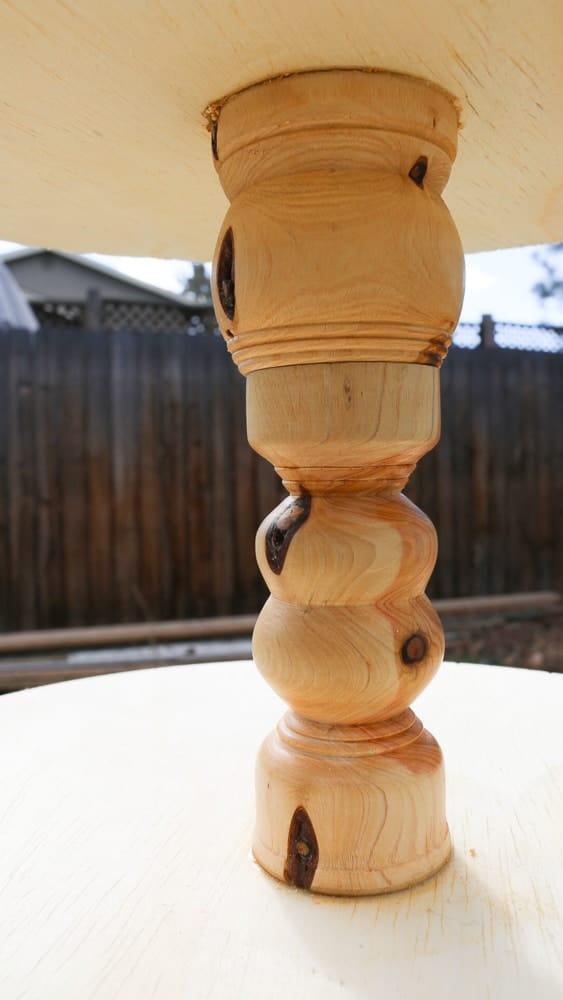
(338,283)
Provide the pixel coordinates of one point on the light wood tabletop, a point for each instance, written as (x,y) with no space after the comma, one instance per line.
(104,146)
(127,807)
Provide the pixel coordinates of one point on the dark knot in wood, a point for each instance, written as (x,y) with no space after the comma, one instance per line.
(214,130)
(226,275)
(414,649)
(302,851)
(283,528)
(417,172)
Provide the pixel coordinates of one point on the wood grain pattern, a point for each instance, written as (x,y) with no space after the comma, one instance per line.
(101,121)
(343,172)
(370,422)
(337,254)
(356,550)
(112,886)
(343,664)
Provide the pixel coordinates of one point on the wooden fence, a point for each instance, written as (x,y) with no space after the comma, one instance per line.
(128,491)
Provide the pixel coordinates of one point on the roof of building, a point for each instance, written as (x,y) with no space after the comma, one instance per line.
(184,300)
(15,312)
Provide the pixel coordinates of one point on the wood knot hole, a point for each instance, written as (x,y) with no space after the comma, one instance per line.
(226,275)
(283,528)
(414,649)
(417,172)
(214,129)
(302,851)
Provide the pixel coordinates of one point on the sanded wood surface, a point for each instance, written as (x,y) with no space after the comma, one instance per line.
(328,173)
(348,637)
(101,114)
(125,867)
(335,182)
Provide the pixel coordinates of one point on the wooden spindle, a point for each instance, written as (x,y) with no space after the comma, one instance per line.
(338,283)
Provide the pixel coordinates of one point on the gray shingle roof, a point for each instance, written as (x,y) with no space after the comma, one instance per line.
(15,313)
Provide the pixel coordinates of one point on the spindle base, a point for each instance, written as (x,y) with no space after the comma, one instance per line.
(351,810)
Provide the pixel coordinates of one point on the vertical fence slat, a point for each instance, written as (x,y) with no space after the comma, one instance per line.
(147,457)
(173,447)
(100,536)
(529,507)
(124,404)
(222,497)
(6,432)
(556,462)
(480,483)
(457,423)
(22,506)
(247,585)
(199,392)
(446,514)
(514,470)
(73,463)
(50,589)
(498,496)
(545,474)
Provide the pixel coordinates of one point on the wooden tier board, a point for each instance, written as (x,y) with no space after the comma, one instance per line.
(125,871)
(104,147)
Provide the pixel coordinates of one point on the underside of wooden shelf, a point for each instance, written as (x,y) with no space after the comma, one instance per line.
(104,146)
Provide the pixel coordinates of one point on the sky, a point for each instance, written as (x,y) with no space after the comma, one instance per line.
(499,282)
